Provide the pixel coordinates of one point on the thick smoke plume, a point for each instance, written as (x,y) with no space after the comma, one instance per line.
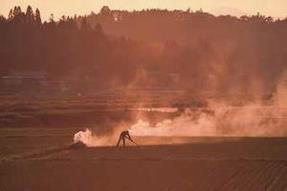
(218,119)
(222,121)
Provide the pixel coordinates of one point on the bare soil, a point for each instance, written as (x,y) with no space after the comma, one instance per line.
(45,160)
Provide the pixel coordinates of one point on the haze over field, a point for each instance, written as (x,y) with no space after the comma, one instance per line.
(193,51)
(196,89)
(215,68)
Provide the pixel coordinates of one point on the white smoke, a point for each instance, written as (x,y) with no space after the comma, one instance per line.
(220,121)
(249,121)
(216,120)
(88,138)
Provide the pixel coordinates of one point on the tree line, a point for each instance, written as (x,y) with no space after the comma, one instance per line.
(113,47)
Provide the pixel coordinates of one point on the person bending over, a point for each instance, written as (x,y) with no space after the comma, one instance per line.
(122,138)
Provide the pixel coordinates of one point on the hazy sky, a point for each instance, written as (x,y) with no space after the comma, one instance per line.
(275,8)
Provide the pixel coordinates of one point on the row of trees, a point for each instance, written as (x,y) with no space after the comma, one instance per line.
(184,26)
(27,43)
(223,53)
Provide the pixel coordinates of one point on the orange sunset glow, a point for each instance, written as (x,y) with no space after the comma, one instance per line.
(274,8)
(143,95)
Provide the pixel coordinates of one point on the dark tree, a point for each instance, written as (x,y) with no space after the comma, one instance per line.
(29,15)
(38,19)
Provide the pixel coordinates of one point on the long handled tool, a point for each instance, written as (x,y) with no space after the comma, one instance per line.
(135,143)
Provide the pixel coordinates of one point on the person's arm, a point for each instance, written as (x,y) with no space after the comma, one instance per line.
(129,137)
